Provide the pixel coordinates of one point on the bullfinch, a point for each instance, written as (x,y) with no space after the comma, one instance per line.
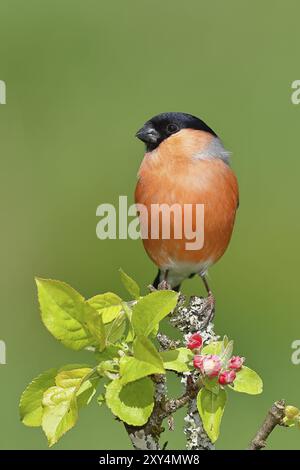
(186,164)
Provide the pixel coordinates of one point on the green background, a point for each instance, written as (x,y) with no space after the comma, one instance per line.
(82,77)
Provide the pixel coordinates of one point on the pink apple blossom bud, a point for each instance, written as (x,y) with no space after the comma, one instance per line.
(227,377)
(198,361)
(209,365)
(236,362)
(195,341)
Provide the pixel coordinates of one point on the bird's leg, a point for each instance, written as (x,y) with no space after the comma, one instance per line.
(210,297)
(209,292)
(164,285)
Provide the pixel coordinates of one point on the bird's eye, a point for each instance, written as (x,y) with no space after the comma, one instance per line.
(172,128)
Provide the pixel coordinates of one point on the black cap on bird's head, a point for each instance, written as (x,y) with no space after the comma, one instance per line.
(162,126)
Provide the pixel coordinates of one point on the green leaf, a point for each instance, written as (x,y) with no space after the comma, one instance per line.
(133,402)
(151,309)
(247,381)
(96,326)
(71,378)
(227,353)
(130,332)
(86,392)
(289,422)
(177,359)
(211,384)
(60,412)
(131,369)
(144,350)
(80,376)
(130,285)
(155,330)
(100,399)
(211,409)
(225,342)
(109,305)
(74,388)
(215,347)
(115,330)
(31,400)
(109,353)
(63,313)
(146,361)
(108,369)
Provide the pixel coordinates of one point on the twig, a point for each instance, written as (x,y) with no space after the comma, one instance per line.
(191,318)
(274,418)
(188,319)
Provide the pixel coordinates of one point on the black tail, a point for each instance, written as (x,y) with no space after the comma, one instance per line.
(156,282)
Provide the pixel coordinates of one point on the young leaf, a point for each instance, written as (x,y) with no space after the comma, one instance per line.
(109,353)
(96,326)
(144,350)
(177,359)
(86,391)
(80,376)
(100,399)
(130,332)
(211,384)
(116,329)
(247,381)
(109,305)
(108,369)
(133,402)
(60,405)
(60,412)
(63,313)
(151,309)
(130,285)
(211,409)
(131,369)
(31,400)
(227,353)
(146,361)
(71,378)
(215,347)
(225,342)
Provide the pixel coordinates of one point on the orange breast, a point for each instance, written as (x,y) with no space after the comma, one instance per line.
(171,174)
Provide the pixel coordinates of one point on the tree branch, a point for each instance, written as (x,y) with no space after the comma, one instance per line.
(194,317)
(274,418)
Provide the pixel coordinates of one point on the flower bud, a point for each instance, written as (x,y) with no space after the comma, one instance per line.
(195,341)
(198,361)
(227,377)
(209,365)
(236,362)
(291,412)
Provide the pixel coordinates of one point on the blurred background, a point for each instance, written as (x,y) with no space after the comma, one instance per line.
(82,77)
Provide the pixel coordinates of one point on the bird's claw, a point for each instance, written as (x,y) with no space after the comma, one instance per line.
(164,285)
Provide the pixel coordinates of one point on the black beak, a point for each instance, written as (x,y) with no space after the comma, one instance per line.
(148,135)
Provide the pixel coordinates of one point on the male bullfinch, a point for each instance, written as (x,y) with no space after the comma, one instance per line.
(185,163)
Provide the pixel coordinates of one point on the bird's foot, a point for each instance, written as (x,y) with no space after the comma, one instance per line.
(164,285)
